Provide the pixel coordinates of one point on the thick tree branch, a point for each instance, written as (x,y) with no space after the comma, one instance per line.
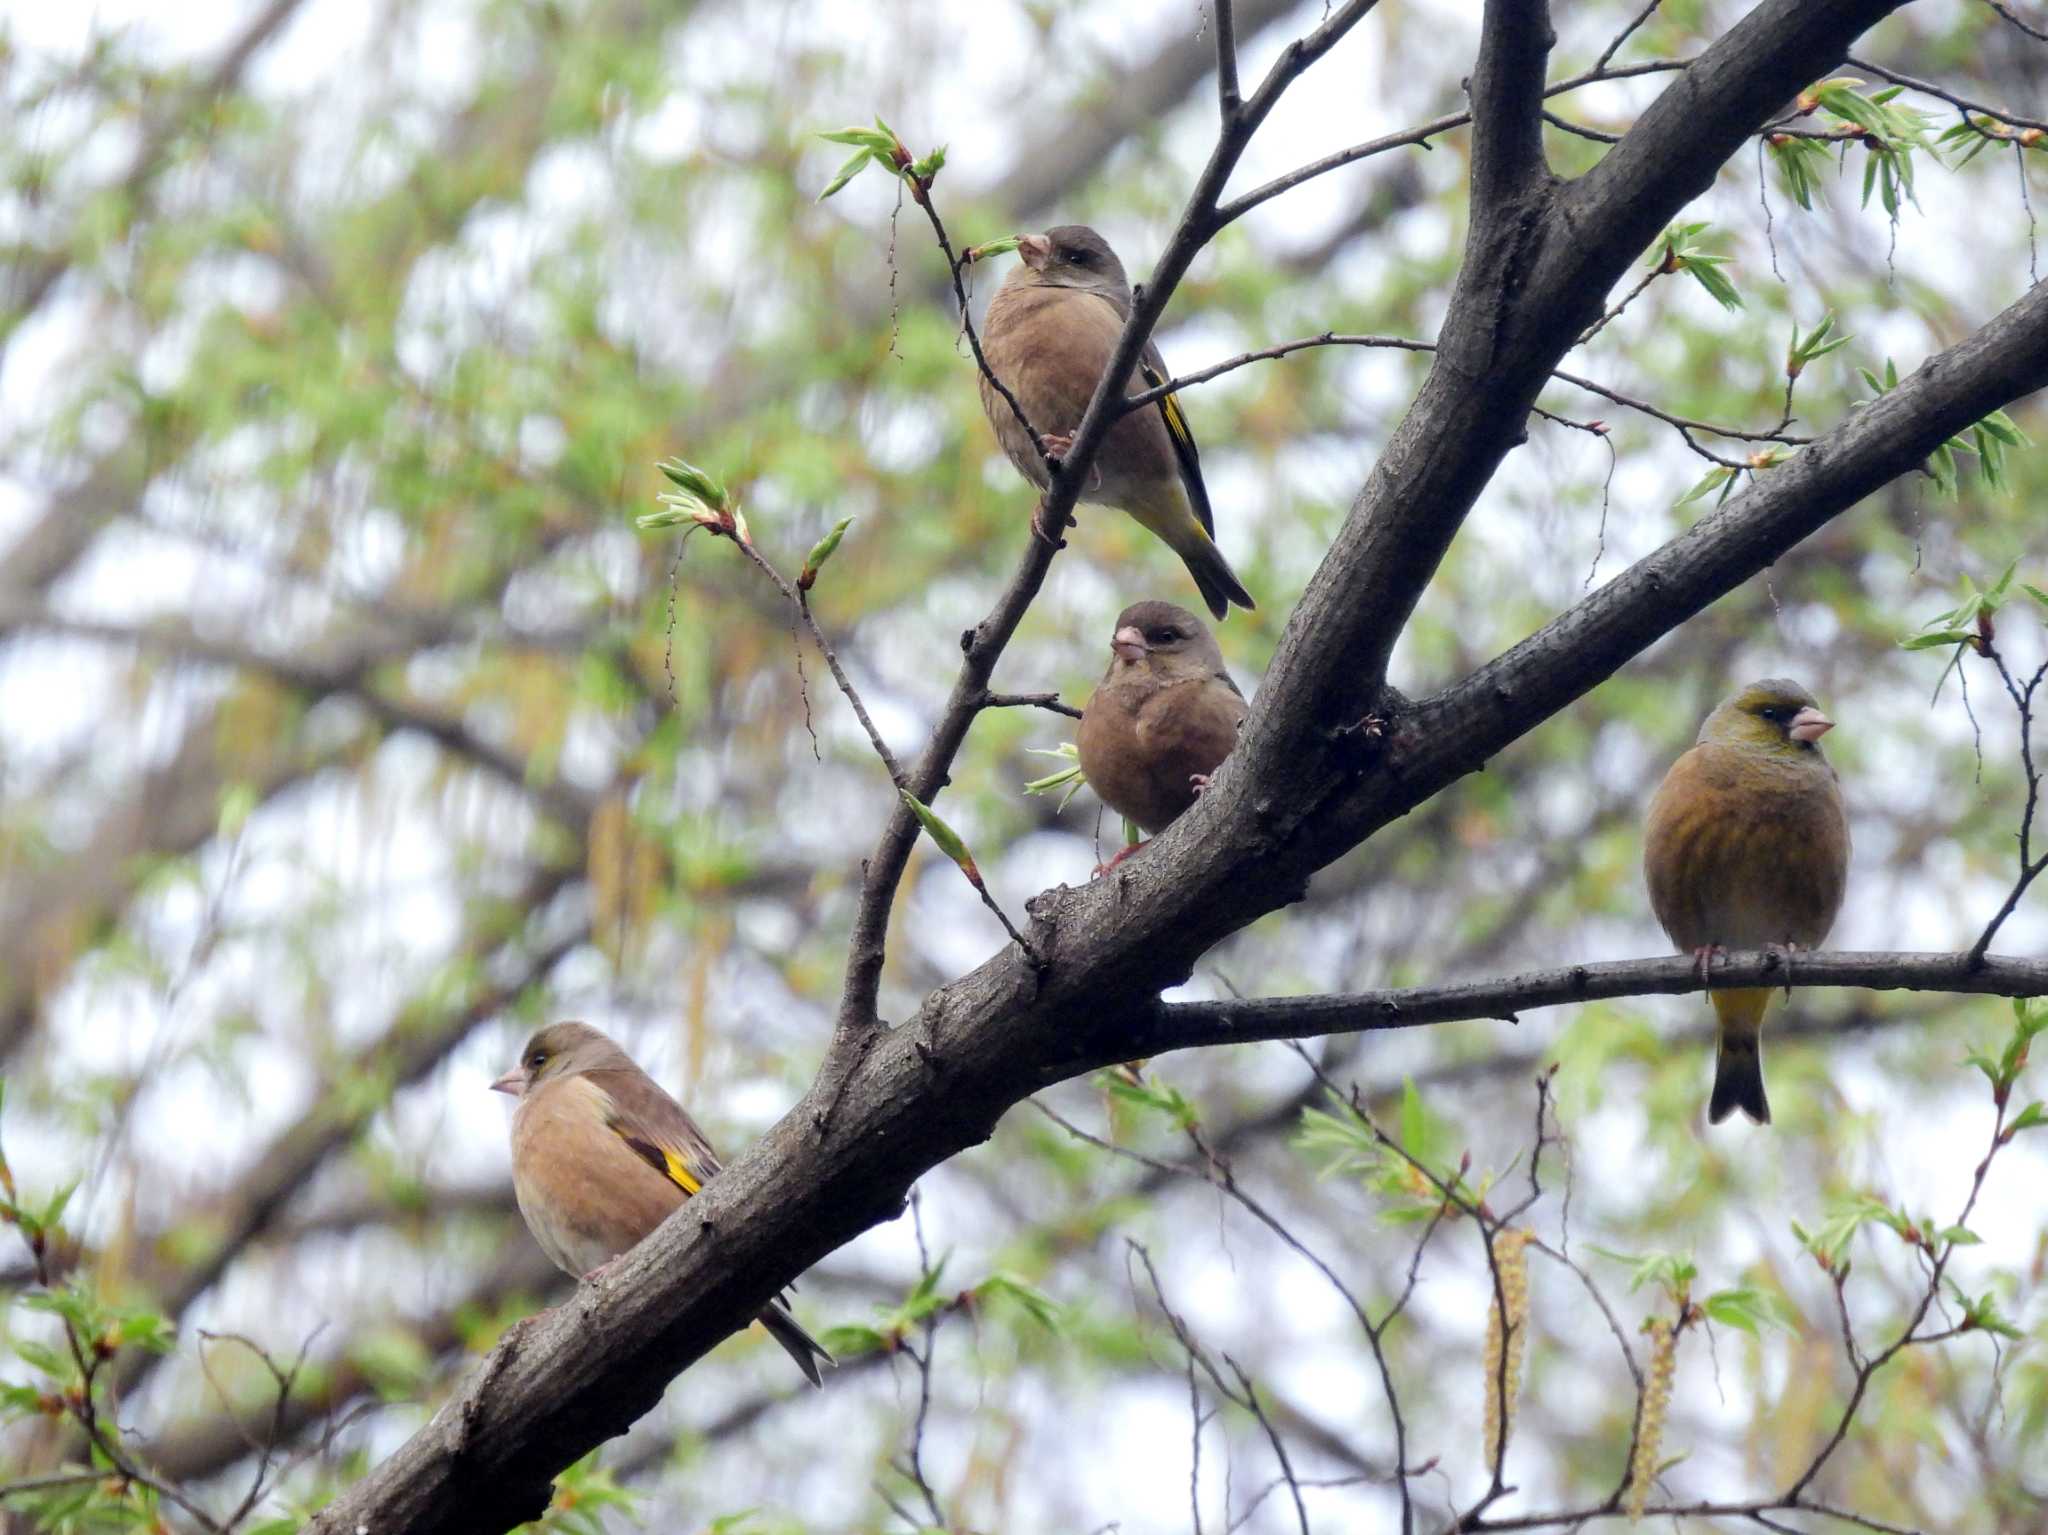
(1507,106)
(1529,285)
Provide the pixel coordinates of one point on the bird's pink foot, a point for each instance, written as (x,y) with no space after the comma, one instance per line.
(1199,782)
(1130,848)
(1703,961)
(1057,445)
(602,1269)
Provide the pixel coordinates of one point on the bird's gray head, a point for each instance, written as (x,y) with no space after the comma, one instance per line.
(560,1050)
(1074,256)
(1164,637)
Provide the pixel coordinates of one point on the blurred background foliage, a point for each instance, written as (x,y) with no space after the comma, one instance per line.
(348,730)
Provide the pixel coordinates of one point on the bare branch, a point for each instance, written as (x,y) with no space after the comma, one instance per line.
(1185,1025)
(1228,101)
(2022,695)
(799,599)
(1047,701)
(1607,54)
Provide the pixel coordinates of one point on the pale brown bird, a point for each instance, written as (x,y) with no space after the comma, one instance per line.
(1747,847)
(601,1156)
(1051,330)
(1162,719)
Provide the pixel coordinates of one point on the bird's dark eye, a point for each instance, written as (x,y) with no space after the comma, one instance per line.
(1772,712)
(536,1060)
(1078,256)
(1160,636)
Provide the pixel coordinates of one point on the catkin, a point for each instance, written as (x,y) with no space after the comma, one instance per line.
(1642,1468)
(1511,1261)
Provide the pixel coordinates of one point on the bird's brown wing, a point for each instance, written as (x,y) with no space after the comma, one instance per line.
(655,1128)
(1188,729)
(1152,369)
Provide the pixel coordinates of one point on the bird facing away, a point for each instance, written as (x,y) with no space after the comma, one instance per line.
(601,1155)
(1050,332)
(1747,847)
(1162,719)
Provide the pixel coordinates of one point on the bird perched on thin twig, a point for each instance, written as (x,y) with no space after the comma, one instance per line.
(1051,330)
(601,1156)
(1162,719)
(1747,846)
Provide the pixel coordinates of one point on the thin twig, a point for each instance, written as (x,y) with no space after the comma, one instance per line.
(1683,425)
(800,600)
(1941,93)
(2022,696)
(1580,130)
(1238,207)
(2034,32)
(1049,701)
(1942,1251)
(1607,54)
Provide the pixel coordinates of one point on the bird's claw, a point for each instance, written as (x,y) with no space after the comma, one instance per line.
(1042,528)
(1199,782)
(1783,952)
(1125,852)
(1055,444)
(1703,962)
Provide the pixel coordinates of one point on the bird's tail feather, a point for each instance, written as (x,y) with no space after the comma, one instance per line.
(1214,578)
(807,1351)
(1168,515)
(1739,1062)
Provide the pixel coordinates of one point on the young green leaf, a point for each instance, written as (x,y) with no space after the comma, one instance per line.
(948,840)
(821,551)
(855,164)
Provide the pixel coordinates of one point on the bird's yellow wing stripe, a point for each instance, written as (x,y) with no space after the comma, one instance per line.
(664,1160)
(678,1173)
(1169,406)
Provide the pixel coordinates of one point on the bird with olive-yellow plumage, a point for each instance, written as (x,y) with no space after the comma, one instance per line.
(1747,847)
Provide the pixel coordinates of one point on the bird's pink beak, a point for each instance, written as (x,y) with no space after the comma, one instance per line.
(513,1082)
(1128,643)
(1809,724)
(1036,251)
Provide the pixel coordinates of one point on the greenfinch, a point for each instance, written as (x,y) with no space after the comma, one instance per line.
(1050,332)
(1162,719)
(601,1156)
(1747,846)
